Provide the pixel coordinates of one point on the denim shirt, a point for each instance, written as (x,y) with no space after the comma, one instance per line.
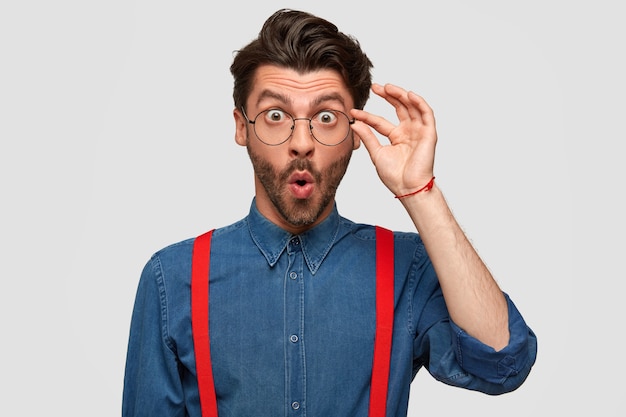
(292,323)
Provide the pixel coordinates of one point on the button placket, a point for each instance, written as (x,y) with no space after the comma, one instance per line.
(294,327)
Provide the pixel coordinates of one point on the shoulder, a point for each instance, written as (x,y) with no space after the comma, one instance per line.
(174,260)
(182,249)
(364,231)
(411,259)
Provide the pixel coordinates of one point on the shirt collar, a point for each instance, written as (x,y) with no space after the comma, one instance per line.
(272,240)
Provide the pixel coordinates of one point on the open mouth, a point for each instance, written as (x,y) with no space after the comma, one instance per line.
(301,184)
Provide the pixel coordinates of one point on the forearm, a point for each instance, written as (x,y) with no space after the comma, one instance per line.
(473,298)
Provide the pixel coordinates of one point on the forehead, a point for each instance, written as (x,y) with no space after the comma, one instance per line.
(278,84)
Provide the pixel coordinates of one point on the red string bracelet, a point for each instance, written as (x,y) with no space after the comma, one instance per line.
(427,187)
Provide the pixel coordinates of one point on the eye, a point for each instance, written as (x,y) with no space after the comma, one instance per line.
(275,116)
(325,117)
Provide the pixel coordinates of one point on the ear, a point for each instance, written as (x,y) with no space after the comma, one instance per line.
(356,141)
(241,128)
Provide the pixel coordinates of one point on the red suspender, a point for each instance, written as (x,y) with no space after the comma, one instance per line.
(200,322)
(384,322)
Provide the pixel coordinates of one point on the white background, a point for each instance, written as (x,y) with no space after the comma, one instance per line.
(116,137)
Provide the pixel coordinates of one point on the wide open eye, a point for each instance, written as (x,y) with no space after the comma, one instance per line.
(275,116)
(326,118)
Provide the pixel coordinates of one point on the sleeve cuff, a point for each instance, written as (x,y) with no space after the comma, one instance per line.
(484,362)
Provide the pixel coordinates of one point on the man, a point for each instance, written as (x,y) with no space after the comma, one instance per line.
(295,314)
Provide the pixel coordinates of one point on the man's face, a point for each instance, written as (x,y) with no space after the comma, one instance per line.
(296,181)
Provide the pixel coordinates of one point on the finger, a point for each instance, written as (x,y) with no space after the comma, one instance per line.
(401,109)
(409,100)
(368,138)
(417,107)
(378,123)
(426,112)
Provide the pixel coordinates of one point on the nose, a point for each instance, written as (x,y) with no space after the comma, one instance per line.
(301,143)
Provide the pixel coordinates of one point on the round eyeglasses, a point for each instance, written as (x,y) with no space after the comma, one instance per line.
(275,126)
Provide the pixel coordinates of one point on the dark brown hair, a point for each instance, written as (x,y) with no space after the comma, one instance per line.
(303,42)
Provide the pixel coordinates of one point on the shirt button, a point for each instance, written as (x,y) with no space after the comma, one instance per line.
(295,241)
(293,275)
(293,338)
(295,405)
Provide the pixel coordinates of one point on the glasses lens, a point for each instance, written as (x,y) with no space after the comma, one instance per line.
(330,127)
(273,126)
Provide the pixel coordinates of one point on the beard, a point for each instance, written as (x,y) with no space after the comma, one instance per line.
(296,211)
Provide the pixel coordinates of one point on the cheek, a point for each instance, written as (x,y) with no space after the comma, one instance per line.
(332,155)
(266,156)
(335,167)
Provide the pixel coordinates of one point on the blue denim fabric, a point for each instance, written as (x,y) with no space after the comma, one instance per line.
(292,322)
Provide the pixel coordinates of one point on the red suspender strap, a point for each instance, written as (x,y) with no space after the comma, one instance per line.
(200,322)
(384,322)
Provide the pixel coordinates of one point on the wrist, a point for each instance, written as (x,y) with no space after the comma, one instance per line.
(424,189)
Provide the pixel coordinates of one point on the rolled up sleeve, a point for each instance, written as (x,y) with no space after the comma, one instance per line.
(503,370)
(456,358)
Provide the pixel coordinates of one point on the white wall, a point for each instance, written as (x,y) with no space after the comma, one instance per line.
(116,138)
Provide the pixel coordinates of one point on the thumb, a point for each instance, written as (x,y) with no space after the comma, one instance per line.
(367,136)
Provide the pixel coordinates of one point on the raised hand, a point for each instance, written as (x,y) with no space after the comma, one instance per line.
(406,163)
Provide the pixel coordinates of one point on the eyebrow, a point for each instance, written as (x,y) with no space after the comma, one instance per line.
(329,97)
(273,94)
(285,99)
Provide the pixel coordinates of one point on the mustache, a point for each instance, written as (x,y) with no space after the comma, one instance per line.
(300,165)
